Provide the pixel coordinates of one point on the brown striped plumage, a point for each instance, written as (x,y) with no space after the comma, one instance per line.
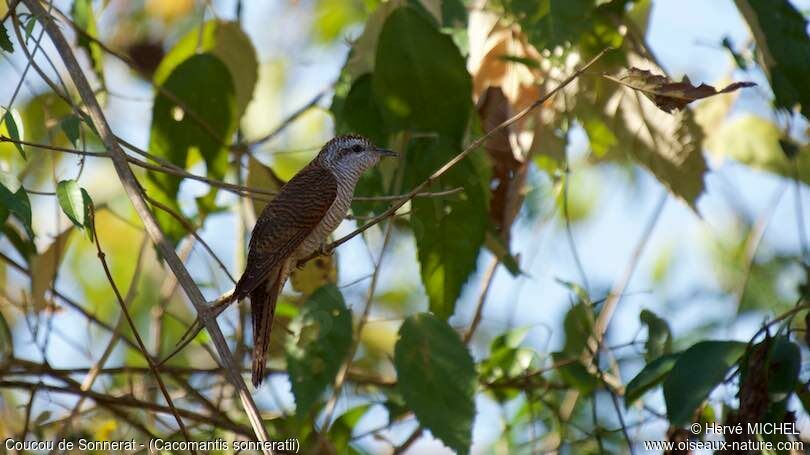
(295,224)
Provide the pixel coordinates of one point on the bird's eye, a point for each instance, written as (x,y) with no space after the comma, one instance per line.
(357,148)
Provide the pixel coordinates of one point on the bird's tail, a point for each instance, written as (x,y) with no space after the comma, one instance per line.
(262,308)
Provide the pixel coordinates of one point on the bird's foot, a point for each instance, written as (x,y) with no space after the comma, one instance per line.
(323,250)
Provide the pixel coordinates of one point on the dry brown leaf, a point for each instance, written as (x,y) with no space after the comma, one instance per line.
(44,268)
(498,58)
(508,171)
(667,94)
(505,81)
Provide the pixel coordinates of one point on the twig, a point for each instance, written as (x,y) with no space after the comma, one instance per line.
(285,123)
(408,442)
(127,401)
(69,302)
(93,373)
(489,277)
(619,415)
(239,190)
(569,233)
(752,244)
(125,311)
(132,189)
(594,342)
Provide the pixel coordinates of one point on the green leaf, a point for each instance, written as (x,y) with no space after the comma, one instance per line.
(15,201)
(422,81)
(498,247)
(599,135)
(71,200)
(13,130)
(29,28)
(361,114)
(70,126)
(358,112)
(506,358)
(340,434)
(550,23)
(436,376)
(754,141)
(695,374)
(578,326)
(783,47)
(85,19)
(331,17)
(228,42)
(319,343)
(454,13)
(24,246)
(650,376)
(450,230)
(784,364)
(5,41)
(574,373)
(89,215)
(42,418)
(659,337)
(204,86)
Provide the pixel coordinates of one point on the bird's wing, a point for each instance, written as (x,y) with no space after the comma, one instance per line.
(285,222)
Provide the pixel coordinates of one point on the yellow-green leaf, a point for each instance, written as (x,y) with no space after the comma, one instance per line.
(44,268)
(754,141)
(71,200)
(230,44)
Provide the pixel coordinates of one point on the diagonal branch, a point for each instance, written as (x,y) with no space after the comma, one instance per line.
(133,191)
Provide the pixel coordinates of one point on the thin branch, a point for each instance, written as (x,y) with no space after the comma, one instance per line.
(569,233)
(90,379)
(285,123)
(402,448)
(132,189)
(616,293)
(125,311)
(752,242)
(128,401)
(489,277)
(239,190)
(70,302)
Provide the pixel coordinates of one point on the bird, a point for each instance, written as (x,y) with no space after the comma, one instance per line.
(295,224)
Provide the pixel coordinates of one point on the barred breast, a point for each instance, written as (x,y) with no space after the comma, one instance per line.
(346,182)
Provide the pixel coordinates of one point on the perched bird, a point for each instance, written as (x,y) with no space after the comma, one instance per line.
(295,224)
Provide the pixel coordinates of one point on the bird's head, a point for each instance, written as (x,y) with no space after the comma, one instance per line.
(351,153)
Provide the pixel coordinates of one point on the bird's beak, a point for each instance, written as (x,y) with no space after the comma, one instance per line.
(386,152)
